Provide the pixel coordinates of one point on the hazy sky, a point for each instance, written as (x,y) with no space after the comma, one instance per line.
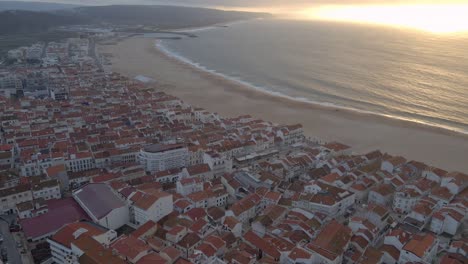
(251,3)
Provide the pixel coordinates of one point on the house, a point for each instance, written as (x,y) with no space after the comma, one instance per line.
(7,155)
(434,174)
(188,244)
(169,176)
(327,199)
(271,198)
(262,246)
(245,209)
(103,205)
(337,149)
(381,195)
(441,195)
(31,208)
(299,255)
(405,200)
(231,224)
(201,171)
(269,217)
(456,182)
(12,196)
(371,256)
(176,233)
(397,238)
(182,206)
(146,230)
(218,244)
(187,186)
(330,243)
(378,215)
(49,189)
(59,172)
(421,248)
(91,251)
(130,248)
(390,164)
(149,205)
(219,164)
(61,242)
(421,213)
(459,247)
(447,220)
(81,161)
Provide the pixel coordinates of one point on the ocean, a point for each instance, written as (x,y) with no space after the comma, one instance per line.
(397,73)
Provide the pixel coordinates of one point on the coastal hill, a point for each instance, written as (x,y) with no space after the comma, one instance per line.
(162,16)
(16,22)
(33,6)
(166,17)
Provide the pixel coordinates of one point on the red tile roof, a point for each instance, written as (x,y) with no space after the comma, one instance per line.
(129,246)
(68,233)
(420,244)
(332,240)
(143,229)
(261,244)
(152,258)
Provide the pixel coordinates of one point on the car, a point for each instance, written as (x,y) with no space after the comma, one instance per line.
(19,244)
(15,228)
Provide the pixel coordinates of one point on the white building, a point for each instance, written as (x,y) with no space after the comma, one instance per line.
(7,159)
(151,205)
(163,157)
(10,197)
(421,249)
(187,186)
(61,242)
(219,164)
(405,200)
(10,84)
(47,190)
(80,162)
(447,220)
(326,199)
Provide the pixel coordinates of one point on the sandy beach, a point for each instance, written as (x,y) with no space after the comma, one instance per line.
(437,147)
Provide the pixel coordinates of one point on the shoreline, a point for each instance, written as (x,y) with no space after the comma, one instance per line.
(324,106)
(362,131)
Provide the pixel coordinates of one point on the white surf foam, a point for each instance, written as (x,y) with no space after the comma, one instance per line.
(159,45)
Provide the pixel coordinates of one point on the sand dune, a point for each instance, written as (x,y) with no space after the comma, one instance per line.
(445,149)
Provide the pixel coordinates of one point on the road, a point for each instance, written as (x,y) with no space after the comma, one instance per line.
(9,241)
(92,52)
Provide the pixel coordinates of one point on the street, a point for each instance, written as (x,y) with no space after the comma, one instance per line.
(9,241)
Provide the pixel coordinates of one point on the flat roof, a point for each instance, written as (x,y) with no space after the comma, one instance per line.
(61,212)
(162,147)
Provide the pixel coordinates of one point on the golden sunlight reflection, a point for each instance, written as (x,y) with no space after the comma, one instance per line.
(436,18)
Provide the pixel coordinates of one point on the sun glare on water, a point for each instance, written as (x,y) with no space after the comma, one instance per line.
(436,18)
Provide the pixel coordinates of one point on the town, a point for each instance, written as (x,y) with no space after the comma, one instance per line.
(96,167)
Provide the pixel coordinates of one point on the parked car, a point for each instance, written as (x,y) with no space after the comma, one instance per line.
(15,228)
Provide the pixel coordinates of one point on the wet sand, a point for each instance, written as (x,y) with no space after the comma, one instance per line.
(434,146)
